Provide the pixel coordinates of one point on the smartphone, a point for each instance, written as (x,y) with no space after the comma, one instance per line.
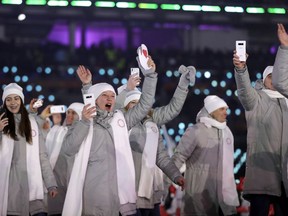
(38,103)
(89,99)
(135,71)
(57,109)
(241,50)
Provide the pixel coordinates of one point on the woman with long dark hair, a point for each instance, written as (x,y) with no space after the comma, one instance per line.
(23,159)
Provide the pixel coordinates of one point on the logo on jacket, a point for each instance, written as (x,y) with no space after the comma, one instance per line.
(121,123)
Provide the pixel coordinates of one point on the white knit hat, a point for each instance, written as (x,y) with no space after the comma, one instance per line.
(99,88)
(268,70)
(77,107)
(213,102)
(132,95)
(13,88)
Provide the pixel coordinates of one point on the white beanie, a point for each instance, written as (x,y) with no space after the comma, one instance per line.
(77,107)
(99,88)
(213,102)
(268,70)
(13,88)
(121,88)
(132,95)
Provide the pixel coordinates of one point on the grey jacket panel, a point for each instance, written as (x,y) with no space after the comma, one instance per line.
(100,192)
(137,141)
(266,164)
(201,149)
(18,190)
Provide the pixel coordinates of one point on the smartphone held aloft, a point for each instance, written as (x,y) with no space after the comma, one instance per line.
(241,49)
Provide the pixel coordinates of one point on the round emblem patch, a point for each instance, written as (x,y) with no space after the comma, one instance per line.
(154,129)
(121,123)
(34,133)
(228,141)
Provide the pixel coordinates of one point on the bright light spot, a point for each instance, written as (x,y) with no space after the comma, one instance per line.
(21,17)
(124,81)
(228,111)
(48,70)
(237,111)
(51,98)
(229,75)
(197,91)
(206,92)
(228,92)
(181,125)
(39,70)
(198,74)
(38,88)
(259,75)
(110,72)
(168,73)
(207,74)
(17,78)
(5,69)
(176,73)
(29,88)
(214,83)
(177,138)
(70,71)
(223,84)
(171,131)
(116,81)
(14,69)
(24,78)
(101,71)
(181,132)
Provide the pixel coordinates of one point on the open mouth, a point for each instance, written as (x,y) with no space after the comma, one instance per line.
(108,105)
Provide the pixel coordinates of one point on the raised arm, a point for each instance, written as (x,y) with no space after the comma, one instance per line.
(247,95)
(85,76)
(133,81)
(138,112)
(164,114)
(280,70)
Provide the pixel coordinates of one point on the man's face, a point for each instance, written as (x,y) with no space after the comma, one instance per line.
(106,101)
(268,82)
(220,114)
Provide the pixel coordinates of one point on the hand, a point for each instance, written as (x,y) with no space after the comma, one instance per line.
(151,65)
(84,74)
(46,112)
(237,63)
(282,35)
(88,112)
(181,182)
(187,77)
(3,122)
(53,192)
(32,109)
(133,81)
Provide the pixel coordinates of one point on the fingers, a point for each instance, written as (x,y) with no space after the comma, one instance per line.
(88,111)
(3,122)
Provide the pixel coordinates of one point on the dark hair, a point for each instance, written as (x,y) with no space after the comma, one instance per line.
(24,126)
